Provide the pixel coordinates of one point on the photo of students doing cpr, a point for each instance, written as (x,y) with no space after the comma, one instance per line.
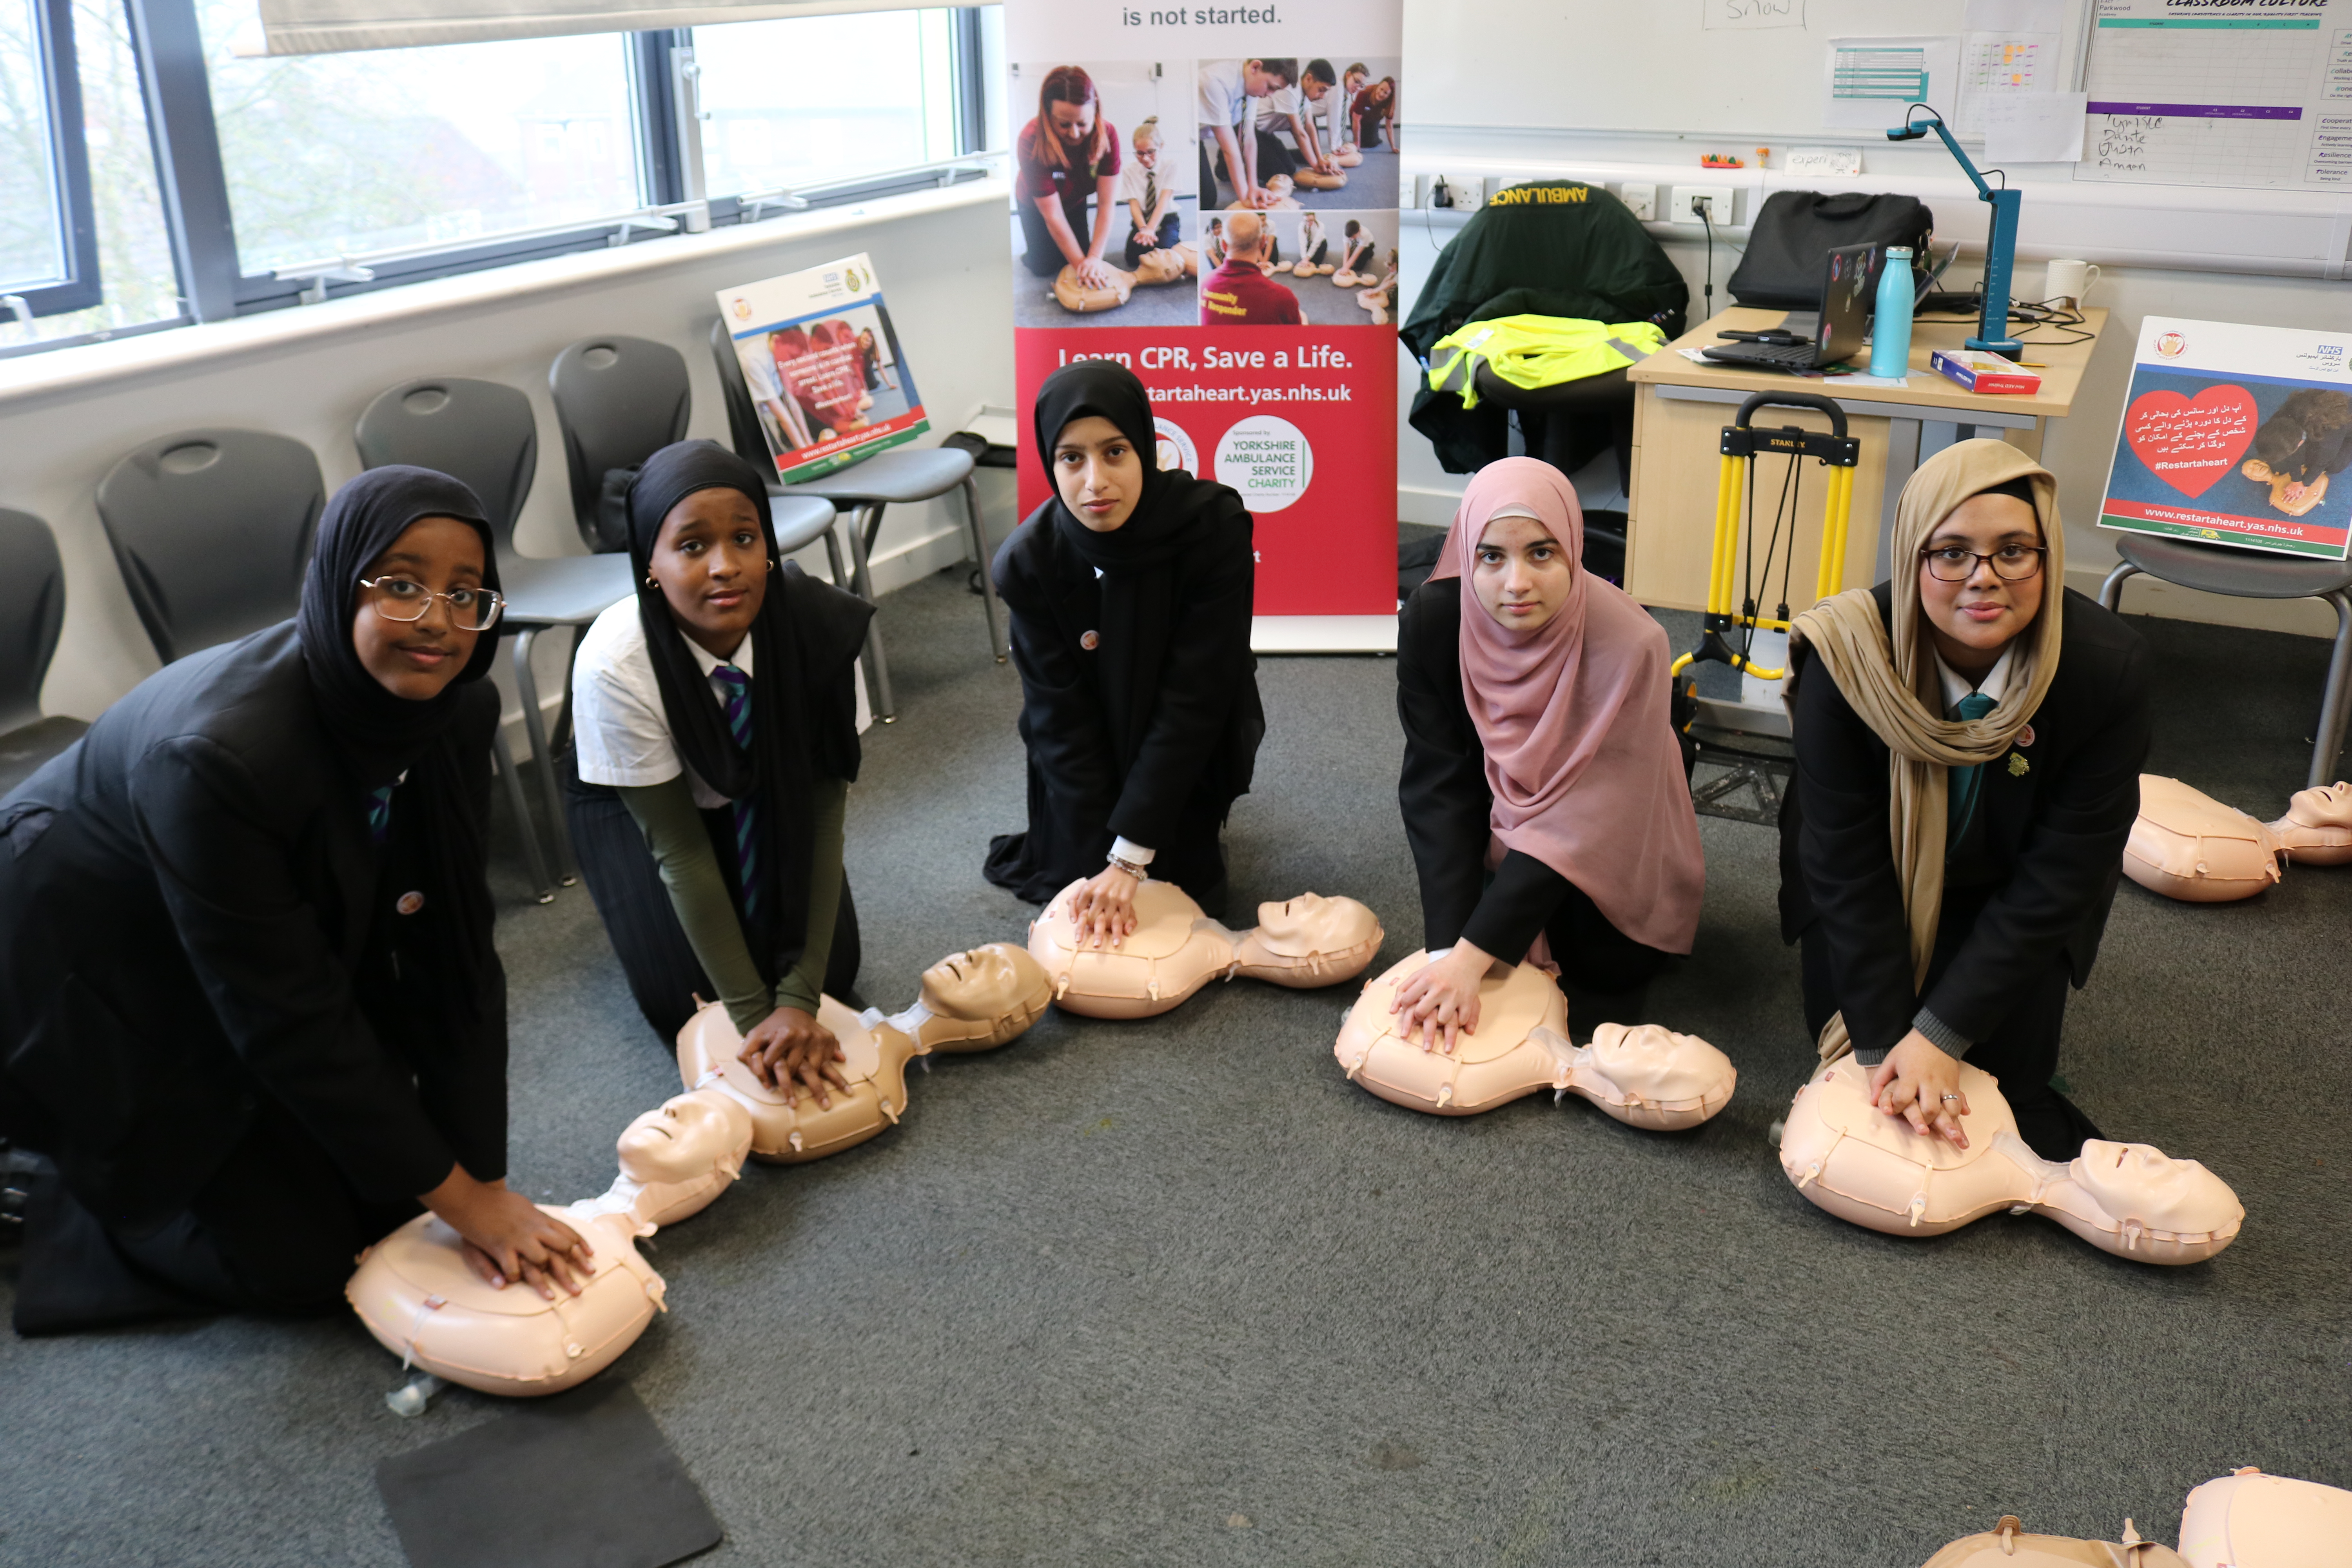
(1282,130)
(1341,265)
(826,377)
(1104,206)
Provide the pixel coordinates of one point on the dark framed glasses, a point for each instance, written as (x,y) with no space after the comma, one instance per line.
(404,599)
(2011,562)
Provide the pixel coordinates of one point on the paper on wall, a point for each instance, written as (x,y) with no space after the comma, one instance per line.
(2034,127)
(1994,65)
(1871,81)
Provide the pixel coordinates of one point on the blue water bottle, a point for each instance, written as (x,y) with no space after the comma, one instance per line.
(1890,326)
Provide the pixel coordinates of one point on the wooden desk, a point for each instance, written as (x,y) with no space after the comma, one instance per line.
(1681,406)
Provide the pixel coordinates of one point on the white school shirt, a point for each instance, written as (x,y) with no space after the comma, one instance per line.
(1131,176)
(1956,686)
(619,726)
(1223,99)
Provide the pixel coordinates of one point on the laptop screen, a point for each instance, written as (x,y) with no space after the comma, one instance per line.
(1845,303)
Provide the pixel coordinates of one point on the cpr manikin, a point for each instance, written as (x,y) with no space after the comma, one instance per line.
(970,1002)
(2244,1519)
(1644,1076)
(1151,268)
(1174,949)
(1862,1164)
(417,1295)
(2186,845)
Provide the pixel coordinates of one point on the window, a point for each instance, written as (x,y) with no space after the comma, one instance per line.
(99,259)
(815,100)
(329,156)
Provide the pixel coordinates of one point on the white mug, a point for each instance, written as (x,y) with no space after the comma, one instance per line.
(2070,281)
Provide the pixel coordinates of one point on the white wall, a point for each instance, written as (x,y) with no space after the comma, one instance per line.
(66,418)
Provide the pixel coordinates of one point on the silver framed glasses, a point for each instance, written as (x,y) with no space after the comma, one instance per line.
(2011,562)
(404,600)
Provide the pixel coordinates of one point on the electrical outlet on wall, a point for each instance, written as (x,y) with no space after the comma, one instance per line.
(1687,197)
(1641,198)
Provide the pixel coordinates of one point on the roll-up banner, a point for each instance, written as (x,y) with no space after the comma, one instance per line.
(1208,196)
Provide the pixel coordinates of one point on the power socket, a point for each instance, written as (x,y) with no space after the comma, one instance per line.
(1717,198)
(1641,199)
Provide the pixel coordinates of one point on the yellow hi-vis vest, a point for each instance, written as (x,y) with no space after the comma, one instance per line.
(1537,351)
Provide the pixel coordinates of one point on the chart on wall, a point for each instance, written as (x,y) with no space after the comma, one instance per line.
(1208,196)
(2236,435)
(2223,92)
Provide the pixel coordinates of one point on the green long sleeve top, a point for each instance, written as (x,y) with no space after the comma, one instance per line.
(672,824)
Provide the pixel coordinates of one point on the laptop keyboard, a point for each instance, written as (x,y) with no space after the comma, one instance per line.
(1776,356)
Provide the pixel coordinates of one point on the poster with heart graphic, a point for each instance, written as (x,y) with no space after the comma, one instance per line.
(2236,435)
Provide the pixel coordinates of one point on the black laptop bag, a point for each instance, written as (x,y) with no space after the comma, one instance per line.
(1795,229)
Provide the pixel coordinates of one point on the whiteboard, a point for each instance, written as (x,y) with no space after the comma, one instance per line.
(1650,66)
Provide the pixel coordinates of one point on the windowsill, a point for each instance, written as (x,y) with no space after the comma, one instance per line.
(95,365)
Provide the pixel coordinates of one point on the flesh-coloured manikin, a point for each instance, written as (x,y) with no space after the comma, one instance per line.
(1643,1075)
(416,1295)
(1862,1164)
(1174,949)
(2009,1545)
(2186,845)
(2317,827)
(970,1002)
(2244,1519)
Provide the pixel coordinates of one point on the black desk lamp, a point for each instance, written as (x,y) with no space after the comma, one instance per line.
(2000,243)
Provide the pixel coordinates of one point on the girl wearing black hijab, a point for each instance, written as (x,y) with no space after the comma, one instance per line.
(252,1012)
(1131,595)
(716,739)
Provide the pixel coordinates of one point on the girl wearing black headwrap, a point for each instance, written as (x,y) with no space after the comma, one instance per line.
(1130,593)
(716,733)
(252,1012)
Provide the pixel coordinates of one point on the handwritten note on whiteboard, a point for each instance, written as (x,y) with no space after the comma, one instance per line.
(1733,15)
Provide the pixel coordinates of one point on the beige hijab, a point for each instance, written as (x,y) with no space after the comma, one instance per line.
(1897,692)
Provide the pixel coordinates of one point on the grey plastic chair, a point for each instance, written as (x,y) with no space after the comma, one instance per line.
(619,401)
(212,530)
(32,613)
(483,433)
(2247,574)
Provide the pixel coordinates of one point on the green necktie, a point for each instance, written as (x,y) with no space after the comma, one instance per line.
(1967,783)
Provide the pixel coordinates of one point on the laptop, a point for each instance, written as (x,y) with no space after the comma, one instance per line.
(1842,327)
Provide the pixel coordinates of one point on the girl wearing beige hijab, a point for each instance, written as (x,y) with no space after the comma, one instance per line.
(1969,737)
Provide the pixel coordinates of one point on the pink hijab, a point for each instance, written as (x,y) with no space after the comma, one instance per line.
(1581,752)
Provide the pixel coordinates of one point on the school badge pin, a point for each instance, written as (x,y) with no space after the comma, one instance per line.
(2018,765)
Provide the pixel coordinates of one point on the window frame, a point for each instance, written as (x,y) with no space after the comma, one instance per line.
(79,286)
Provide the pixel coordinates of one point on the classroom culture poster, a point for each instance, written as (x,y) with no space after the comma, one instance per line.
(1148,142)
(823,366)
(2236,435)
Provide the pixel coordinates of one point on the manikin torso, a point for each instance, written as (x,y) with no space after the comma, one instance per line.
(2186,845)
(1864,1165)
(2244,1519)
(1644,1076)
(417,1296)
(1174,949)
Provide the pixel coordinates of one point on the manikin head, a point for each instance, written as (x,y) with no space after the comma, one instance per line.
(2137,1181)
(998,984)
(687,1136)
(1313,923)
(2330,806)
(1656,1063)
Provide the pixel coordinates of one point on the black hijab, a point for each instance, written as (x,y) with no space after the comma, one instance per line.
(803,720)
(1140,561)
(452,994)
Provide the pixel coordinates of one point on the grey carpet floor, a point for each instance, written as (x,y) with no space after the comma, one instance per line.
(1175,1292)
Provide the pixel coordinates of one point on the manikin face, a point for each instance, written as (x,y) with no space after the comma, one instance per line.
(2327,807)
(690,1135)
(1650,1061)
(983,984)
(1099,472)
(1971,622)
(2135,1181)
(1521,573)
(1312,921)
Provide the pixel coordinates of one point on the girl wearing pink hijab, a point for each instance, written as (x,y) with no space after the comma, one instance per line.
(1543,792)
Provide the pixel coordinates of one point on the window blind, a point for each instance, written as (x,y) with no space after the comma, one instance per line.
(332,26)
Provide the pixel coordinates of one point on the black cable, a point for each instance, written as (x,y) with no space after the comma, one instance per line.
(1707,223)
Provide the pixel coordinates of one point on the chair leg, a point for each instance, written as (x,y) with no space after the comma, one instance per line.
(503,765)
(979,553)
(833,556)
(535,726)
(886,704)
(2332,706)
(2110,592)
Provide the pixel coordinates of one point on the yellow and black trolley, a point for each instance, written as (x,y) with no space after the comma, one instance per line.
(1728,634)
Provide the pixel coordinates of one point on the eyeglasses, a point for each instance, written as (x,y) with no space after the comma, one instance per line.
(404,599)
(2011,562)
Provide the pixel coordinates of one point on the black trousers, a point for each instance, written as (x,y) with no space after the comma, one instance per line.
(626,883)
(2022,1052)
(1041,254)
(275,1230)
(1595,956)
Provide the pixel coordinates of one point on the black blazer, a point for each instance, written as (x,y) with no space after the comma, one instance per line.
(2052,837)
(191,916)
(1201,744)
